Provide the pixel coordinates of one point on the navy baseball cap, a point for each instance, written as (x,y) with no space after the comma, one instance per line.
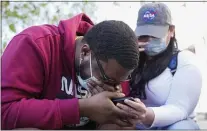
(154,19)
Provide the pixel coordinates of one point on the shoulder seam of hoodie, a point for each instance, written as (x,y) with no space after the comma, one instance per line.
(45,36)
(38,37)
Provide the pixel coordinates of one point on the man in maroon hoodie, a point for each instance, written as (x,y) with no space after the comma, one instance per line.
(45,71)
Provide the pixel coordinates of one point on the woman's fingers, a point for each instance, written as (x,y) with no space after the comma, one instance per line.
(138,106)
(127,109)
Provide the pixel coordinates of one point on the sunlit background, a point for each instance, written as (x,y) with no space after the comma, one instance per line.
(189,18)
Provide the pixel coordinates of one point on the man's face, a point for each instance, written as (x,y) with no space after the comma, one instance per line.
(110,72)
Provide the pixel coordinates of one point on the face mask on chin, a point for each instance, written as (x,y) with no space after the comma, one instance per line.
(82,82)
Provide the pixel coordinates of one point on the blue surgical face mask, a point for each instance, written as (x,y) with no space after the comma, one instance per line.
(155,46)
(82,82)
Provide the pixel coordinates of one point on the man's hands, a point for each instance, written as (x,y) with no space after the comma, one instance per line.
(101,109)
(95,86)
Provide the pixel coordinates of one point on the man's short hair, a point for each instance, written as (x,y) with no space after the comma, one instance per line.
(114,40)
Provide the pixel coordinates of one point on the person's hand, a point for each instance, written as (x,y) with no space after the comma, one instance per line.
(102,110)
(136,108)
(95,86)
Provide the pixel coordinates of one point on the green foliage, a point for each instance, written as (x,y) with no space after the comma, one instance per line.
(12,28)
(19,15)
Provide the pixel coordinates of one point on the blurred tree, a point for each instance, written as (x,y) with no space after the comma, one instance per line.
(19,15)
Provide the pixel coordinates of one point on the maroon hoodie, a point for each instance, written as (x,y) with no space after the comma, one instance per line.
(38,73)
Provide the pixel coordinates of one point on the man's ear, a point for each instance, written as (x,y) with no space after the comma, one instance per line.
(85,50)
